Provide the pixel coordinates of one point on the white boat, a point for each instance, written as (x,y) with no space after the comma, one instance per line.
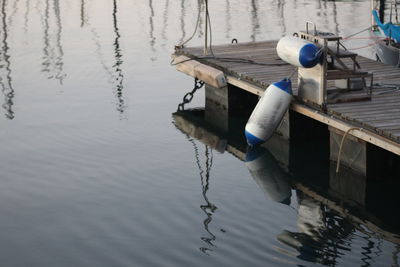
(387,36)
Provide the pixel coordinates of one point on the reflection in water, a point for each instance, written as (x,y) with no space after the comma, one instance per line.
(115,75)
(100,55)
(209,208)
(395,256)
(53,53)
(165,21)
(26,15)
(5,69)
(118,63)
(151,32)
(200,29)
(83,17)
(335,18)
(182,20)
(268,175)
(13,13)
(327,231)
(228,20)
(368,251)
(317,240)
(281,13)
(323,236)
(254,20)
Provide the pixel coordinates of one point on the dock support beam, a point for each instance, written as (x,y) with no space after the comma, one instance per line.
(217,107)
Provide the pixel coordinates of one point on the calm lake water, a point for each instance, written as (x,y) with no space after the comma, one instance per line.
(94,171)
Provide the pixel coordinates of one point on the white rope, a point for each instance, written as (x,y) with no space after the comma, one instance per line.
(341,145)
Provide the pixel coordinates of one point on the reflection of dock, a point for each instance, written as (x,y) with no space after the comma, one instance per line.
(370,124)
(363,212)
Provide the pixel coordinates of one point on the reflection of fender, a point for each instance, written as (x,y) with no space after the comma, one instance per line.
(268,175)
(308,249)
(311,217)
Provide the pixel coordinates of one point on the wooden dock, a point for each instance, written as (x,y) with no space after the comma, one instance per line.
(254,66)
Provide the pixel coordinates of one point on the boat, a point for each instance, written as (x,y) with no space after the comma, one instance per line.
(387,35)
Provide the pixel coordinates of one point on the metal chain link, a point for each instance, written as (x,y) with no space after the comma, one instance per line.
(189,96)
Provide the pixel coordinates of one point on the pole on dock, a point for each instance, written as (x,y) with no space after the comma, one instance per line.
(382,10)
(206,30)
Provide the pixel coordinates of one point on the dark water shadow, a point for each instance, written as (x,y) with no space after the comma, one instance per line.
(5,66)
(329,225)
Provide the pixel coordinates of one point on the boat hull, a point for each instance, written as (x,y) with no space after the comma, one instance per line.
(386,53)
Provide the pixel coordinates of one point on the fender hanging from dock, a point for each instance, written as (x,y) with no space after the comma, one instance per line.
(268,112)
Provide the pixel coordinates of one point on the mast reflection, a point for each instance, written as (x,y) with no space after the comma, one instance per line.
(118,64)
(151,32)
(13,13)
(228,20)
(254,20)
(165,22)
(26,15)
(5,66)
(200,27)
(53,63)
(83,17)
(281,14)
(208,207)
(182,21)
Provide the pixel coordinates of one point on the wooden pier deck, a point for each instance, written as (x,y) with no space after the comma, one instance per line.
(254,66)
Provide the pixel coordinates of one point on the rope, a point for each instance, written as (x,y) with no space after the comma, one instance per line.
(341,146)
(194,32)
(229,59)
(351,35)
(368,45)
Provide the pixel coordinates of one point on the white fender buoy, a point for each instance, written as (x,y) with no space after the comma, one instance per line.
(268,112)
(269,176)
(298,52)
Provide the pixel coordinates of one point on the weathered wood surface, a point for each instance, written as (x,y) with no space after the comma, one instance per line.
(258,64)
